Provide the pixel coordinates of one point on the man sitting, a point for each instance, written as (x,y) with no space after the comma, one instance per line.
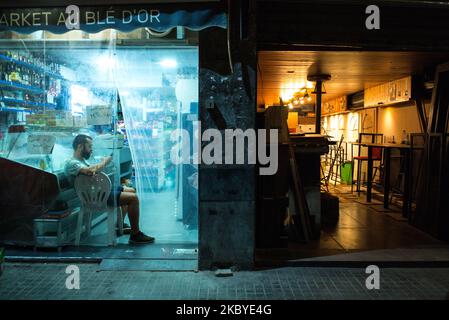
(125,197)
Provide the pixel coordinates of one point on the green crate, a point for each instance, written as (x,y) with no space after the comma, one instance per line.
(346,172)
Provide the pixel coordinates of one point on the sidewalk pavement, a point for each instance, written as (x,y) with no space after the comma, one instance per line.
(48,281)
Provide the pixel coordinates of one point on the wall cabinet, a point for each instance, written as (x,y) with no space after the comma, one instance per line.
(389,93)
(339,104)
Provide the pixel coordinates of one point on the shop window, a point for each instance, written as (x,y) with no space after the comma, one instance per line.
(127,91)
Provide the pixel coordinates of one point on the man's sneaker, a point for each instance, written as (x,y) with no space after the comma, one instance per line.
(140,238)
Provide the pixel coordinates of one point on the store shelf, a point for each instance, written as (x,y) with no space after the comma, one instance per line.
(126,174)
(31,66)
(28,103)
(47,128)
(20,86)
(404,103)
(7,109)
(338,112)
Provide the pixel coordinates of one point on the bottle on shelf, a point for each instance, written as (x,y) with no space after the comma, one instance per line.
(2,72)
(13,75)
(35,80)
(42,82)
(30,78)
(23,76)
(28,58)
(7,72)
(50,97)
(19,77)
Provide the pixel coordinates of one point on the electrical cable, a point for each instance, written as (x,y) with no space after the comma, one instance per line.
(158,34)
(229,37)
(261,81)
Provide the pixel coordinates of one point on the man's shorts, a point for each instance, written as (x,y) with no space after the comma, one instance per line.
(115,194)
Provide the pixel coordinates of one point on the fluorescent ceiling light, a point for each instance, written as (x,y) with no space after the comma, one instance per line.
(106,62)
(168,63)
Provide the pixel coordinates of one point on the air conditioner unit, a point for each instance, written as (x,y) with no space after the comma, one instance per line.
(356,100)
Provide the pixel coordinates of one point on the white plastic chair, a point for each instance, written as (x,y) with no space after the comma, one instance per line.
(93,192)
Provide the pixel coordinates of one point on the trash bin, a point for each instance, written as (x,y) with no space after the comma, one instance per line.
(346,172)
(330,209)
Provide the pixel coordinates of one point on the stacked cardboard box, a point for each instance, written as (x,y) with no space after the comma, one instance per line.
(42,119)
(56,118)
(79,121)
(36,119)
(65,119)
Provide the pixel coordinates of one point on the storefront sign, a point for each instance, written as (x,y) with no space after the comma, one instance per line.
(99,115)
(90,19)
(40,144)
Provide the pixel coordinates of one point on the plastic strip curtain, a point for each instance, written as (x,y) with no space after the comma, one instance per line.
(158,88)
(93,97)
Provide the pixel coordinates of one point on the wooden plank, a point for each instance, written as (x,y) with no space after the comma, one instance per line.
(299,196)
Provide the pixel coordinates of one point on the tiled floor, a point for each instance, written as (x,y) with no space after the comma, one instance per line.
(360,227)
(121,251)
(160,217)
(47,281)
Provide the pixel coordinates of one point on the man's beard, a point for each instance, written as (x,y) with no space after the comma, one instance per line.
(86,155)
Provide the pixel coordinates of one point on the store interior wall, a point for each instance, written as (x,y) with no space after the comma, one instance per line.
(392,121)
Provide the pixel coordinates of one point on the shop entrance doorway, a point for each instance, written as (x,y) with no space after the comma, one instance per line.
(367,206)
(158,97)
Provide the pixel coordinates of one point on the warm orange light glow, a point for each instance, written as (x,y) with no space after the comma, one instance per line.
(288,89)
(292,120)
(388,118)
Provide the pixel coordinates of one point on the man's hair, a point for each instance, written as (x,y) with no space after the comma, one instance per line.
(80,139)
